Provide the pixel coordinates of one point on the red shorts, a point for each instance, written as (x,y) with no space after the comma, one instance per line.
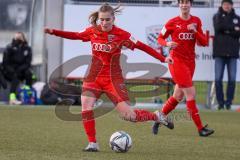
(182,72)
(114,88)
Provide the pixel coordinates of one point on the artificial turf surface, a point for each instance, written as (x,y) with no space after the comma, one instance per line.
(35,133)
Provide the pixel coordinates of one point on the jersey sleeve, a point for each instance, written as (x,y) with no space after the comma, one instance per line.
(132,43)
(201,38)
(82,35)
(147,49)
(165,32)
(129,41)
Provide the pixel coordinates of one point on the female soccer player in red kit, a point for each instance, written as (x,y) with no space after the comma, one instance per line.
(105,73)
(185,30)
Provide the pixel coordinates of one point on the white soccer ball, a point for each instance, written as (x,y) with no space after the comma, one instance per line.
(120,141)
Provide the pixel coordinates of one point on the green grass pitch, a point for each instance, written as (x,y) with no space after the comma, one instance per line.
(35,133)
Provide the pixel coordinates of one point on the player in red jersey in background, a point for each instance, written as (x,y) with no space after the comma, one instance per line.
(105,73)
(185,30)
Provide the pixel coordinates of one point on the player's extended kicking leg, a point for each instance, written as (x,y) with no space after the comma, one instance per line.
(117,92)
(137,115)
(169,106)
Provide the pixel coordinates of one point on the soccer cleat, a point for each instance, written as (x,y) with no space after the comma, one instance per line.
(162,119)
(155,127)
(92,147)
(204,132)
(220,107)
(228,107)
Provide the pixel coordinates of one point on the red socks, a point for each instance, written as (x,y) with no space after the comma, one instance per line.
(89,125)
(143,115)
(169,105)
(193,111)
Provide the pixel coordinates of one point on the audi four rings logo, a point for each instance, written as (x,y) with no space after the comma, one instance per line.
(101,47)
(186,36)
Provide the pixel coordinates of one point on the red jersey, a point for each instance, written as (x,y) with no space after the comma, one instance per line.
(106,48)
(177,29)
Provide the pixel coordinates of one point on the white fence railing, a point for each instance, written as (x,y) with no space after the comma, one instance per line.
(164,3)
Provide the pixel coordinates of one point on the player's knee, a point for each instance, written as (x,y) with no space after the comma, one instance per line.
(179,97)
(190,97)
(86,94)
(87,104)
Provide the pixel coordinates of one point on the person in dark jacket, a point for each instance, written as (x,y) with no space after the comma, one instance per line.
(226,50)
(3,82)
(17,59)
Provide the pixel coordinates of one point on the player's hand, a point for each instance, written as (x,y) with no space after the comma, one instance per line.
(169,60)
(192,27)
(48,30)
(172,44)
